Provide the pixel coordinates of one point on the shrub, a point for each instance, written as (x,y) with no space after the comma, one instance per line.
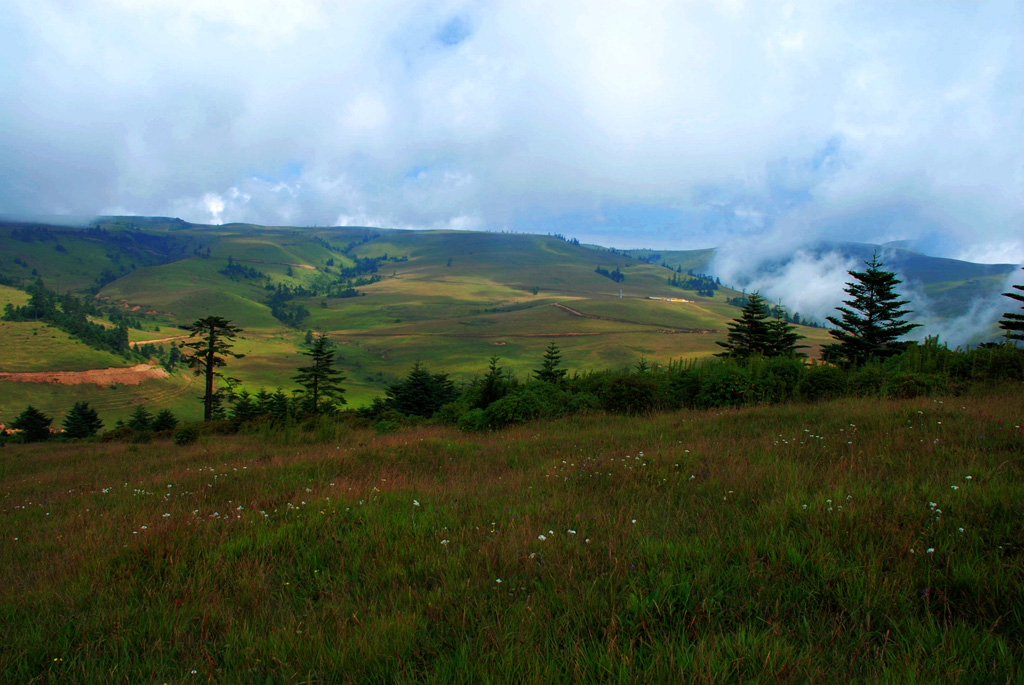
(822,383)
(631,394)
(121,433)
(866,381)
(724,385)
(473,420)
(185,435)
(387,426)
(518,407)
(910,385)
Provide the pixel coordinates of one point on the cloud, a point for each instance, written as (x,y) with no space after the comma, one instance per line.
(860,121)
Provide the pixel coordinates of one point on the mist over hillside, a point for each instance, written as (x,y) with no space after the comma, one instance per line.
(958,301)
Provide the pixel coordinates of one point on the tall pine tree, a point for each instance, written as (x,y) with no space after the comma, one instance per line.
(1013,322)
(33,424)
(549,371)
(871,324)
(751,333)
(81,421)
(210,340)
(321,382)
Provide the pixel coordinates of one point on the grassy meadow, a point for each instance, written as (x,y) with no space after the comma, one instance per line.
(855,540)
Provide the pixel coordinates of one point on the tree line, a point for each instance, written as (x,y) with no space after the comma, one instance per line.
(761,362)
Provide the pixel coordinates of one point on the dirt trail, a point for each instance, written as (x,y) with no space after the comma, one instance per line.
(575,312)
(131,375)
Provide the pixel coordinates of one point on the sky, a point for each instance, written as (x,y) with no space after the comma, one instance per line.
(752,126)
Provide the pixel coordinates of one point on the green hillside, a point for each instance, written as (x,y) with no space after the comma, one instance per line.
(387,297)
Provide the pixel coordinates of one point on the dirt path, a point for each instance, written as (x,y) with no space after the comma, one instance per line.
(574,312)
(131,375)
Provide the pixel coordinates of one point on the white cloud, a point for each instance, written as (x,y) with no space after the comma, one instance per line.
(857,120)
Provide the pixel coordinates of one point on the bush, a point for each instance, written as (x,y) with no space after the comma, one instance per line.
(822,383)
(910,385)
(119,434)
(724,385)
(866,381)
(473,420)
(631,394)
(387,426)
(185,435)
(684,388)
(519,407)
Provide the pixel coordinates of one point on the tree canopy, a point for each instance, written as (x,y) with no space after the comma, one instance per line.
(321,381)
(81,421)
(871,323)
(756,332)
(549,371)
(1013,322)
(210,340)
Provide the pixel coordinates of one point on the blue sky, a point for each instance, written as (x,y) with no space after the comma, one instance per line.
(645,124)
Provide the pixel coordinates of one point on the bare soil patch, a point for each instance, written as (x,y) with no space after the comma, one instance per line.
(130,375)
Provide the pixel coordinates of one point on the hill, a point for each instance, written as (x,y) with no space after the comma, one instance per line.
(387,297)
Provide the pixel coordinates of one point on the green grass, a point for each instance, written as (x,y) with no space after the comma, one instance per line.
(178,393)
(32,346)
(861,541)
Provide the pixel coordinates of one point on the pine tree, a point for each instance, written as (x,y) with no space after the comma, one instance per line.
(33,424)
(320,380)
(871,325)
(244,407)
(494,385)
(164,421)
(751,333)
(421,393)
(211,340)
(549,371)
(141,419)
(81,421)
(1013,322)
(783,336)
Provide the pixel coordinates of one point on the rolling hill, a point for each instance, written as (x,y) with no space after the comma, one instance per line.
(387,297)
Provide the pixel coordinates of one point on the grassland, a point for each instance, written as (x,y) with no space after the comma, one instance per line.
(854,541)
(455,299)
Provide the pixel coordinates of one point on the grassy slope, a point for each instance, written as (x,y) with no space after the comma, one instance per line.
(868,541)
(459,298)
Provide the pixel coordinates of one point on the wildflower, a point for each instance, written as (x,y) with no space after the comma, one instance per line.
(542,537)
(968,477)
(955,487)
(633,521)
(930,550)
(498,580)
(572,532)
(444,542)
(415,502)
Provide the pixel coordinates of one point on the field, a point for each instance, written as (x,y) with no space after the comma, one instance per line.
(857,540)
(450,299)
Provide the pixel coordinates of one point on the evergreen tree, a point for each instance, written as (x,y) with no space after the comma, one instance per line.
(141,419)
(494,386)
(81,421)
(751,333)
(421,393)
(33,424)
(210,340)
(549,371)
(783,336)
(245,407)
(320,380)
(1013,322)
(164,421)
(870,325)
